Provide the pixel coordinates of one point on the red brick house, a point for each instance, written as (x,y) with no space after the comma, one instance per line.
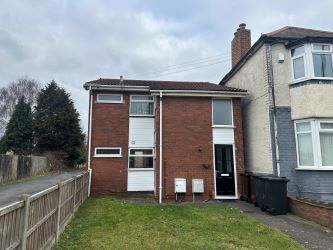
(178,140)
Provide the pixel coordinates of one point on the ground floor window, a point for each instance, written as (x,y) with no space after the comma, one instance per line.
(141,158)
(314,140)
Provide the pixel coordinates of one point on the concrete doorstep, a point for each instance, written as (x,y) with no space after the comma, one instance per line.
(309,234)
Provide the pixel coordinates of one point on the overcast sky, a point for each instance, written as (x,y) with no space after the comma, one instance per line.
(76,41)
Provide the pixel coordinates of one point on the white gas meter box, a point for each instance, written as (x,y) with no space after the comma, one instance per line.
(197,185)
(180,185)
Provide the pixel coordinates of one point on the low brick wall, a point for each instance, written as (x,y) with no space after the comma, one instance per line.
(317,212)
(14,167)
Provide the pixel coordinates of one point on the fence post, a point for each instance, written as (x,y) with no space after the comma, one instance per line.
(74,197)
(58,211)
(26,199)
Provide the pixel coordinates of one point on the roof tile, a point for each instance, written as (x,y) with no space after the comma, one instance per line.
(166,85)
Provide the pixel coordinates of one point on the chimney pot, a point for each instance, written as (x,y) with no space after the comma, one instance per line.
(242,25)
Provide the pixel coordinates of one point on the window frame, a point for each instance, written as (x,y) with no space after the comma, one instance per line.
(144,101)
(313,142)
(309,51)
(105,101)
(320,52)
(150,155)
(107,155)
(232,114)
(303,55)
(315,132)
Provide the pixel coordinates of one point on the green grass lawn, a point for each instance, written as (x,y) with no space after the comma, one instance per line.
(106,223)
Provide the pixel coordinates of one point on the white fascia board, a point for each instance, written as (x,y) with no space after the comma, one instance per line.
(119,87)
(199,93)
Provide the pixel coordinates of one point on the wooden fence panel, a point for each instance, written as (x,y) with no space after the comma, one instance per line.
(10,225)
(67,202)
(42,219)
(37,220)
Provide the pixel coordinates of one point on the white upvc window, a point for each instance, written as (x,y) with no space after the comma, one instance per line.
(322,60)
(312,61)
(298,62)
(141,158)
(222,114)
(142,105)
(109,98)
(107,152)
(314,142)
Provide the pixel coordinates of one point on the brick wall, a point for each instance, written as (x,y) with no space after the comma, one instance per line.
(307,209)
(240,44)
(187,144)
(110,129)
(237,113)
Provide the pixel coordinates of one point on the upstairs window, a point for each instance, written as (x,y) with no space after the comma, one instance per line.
(142,105)
(297,56)
(110,98)
(222,112)
(322,60)
(311,61)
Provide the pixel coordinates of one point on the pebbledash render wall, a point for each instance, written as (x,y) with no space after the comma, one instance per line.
(252,76)
(307,99)
(187,145)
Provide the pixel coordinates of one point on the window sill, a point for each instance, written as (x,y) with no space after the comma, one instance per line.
(109,102)
(316,169)
(141,169)
(311,78)
(107,156)
(142,115)
(223,126)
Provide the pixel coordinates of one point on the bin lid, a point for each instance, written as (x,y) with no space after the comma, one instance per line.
(281,179)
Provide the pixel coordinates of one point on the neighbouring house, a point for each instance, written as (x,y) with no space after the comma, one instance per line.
(178,140)
(288,112)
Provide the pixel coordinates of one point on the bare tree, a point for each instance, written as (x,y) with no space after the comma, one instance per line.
(9,96)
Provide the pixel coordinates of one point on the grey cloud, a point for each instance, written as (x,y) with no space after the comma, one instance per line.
(77,41)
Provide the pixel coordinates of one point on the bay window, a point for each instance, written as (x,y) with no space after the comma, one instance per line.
(312,61)
(142,105)
(314,141)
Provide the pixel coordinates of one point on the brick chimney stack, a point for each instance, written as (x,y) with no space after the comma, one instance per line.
(240,44)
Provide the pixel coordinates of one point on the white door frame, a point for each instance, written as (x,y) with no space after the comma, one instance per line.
(235,173)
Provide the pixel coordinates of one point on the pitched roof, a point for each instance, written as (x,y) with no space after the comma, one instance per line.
(165,85)
(289,35)
(290,32)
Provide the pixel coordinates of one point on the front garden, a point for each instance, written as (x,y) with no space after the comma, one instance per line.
(107,223)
